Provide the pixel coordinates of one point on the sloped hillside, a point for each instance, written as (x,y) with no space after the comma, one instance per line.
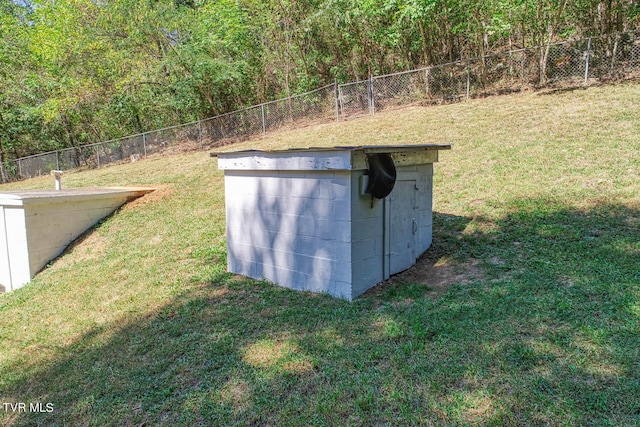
(526,310)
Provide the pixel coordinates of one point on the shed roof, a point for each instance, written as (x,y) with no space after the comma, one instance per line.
(324,158)
(366,148)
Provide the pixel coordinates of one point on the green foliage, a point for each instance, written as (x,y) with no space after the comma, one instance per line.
(80,71)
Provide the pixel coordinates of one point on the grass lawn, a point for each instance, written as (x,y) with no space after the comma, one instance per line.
(525,311)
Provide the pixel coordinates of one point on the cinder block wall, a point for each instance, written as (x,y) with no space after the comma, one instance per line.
(313,230)
(367,248)
(291,227)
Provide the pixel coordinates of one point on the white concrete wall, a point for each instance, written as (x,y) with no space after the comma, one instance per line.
(36,227)
(51,227)
(14,248)
(5,272)
(292,228)
(367,246)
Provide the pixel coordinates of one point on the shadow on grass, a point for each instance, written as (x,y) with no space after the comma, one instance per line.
(548,336)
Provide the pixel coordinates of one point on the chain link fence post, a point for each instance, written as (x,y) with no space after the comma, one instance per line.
(468,79)
(426,82)
(144,144)
(586,61)
(200,133)
(337,101)
(372,98)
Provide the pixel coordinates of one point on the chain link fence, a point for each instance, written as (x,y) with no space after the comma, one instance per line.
(579,62)
(316,106)
(356,99)
(311,107)
(615,57)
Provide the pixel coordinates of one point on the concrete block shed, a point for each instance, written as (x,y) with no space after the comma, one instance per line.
(336,220)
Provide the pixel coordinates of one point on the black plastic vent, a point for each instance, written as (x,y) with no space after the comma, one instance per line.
(382,175)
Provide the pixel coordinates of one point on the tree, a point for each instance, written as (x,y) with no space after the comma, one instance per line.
(79,71)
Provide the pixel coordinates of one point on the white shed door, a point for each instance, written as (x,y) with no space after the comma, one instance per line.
(403,227)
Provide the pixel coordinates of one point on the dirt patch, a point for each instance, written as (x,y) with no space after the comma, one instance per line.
(434,275)
(443,272)
(160,192)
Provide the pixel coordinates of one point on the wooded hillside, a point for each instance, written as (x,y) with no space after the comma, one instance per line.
(80,71)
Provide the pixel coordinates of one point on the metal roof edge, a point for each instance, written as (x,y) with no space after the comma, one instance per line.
(366,148)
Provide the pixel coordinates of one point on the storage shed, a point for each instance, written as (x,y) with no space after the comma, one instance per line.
(336,220)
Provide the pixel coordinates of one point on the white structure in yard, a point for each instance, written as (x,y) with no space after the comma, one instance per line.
(36,226)
(336,220)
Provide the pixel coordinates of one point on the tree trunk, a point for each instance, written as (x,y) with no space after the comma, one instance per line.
(3,159)
(3,155)
(423,36)
(551,30)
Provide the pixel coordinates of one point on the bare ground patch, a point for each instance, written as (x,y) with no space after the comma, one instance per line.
(435,273)
(159,193)
(439,274)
